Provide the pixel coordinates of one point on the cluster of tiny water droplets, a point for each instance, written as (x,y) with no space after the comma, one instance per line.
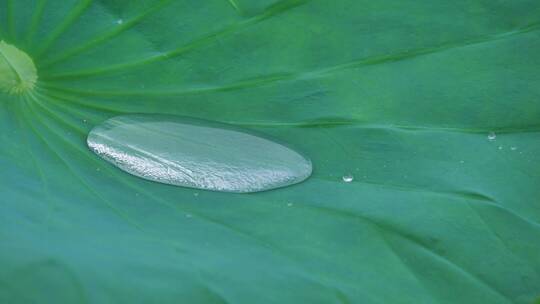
(131,162)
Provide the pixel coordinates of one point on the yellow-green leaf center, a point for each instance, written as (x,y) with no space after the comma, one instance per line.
(18,73)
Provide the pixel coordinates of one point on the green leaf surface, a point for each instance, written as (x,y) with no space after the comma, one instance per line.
(400,94)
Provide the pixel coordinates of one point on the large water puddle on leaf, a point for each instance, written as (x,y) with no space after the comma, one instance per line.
(197,153)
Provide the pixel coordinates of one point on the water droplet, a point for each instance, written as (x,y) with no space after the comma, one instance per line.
(85,121)
(196,194)
(492,136)
(289,204)
(500,147)
(348,178)
(197,153)
(461,161)
(513,148)
(119,21)
(189,215)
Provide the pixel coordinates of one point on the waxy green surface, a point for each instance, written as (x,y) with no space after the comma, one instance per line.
(399,94)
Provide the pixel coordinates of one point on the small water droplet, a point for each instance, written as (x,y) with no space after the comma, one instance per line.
(119,21)
(197,153)
(513,148)
(85,121)
(461,161)
(189,215)
(289,204)
(492,136)
(196,194)
(500,147)
(348,178)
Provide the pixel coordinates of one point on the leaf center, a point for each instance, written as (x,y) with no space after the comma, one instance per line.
(18,73)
